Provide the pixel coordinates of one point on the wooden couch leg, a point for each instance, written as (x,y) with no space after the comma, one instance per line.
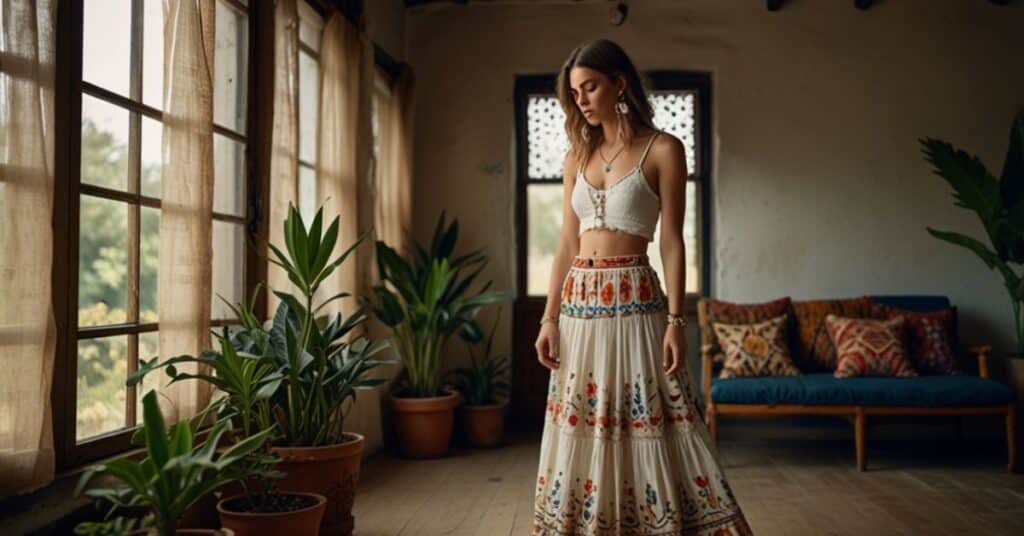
(1011,447)
(858,432)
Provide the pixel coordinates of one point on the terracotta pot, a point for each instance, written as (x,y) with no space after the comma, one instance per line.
(424,425)
(484,425)
(331,471)
(304,522)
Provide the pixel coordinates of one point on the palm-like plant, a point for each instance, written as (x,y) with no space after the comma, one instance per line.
(999,205)
(297,369)
(483,382)
(427,300)
(175,473)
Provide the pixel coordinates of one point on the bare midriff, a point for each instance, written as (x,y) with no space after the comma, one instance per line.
(606,243)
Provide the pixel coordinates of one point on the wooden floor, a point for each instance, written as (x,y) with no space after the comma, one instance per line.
(784,486)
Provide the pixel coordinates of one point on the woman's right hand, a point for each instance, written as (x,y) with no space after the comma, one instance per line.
(547,345)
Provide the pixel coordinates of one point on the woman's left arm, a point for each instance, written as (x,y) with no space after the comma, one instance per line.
(672,175)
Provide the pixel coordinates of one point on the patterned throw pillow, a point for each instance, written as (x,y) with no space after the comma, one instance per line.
(930,337)
(710,311)
(869,347)
(760,349)
(813,349)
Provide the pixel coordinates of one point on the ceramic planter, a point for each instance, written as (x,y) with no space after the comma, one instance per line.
(331,471)
(303,522)
(424,425)
(484,425)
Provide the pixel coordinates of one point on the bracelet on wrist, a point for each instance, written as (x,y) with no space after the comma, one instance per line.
(548,318)
(676,320)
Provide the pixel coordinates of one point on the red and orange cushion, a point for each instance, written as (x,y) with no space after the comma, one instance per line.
(813,349)
(930,337)
(869,347)
(760,349)
(711,311)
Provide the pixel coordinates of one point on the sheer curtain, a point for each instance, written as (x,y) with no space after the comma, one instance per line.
(393,182)
(186,217)
(284,164)
(27,325)
(343,182)
(393,209)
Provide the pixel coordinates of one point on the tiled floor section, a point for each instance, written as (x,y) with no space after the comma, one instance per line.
(785,487)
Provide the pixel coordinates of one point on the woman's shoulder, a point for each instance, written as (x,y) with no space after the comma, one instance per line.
(570,165)
(667,146)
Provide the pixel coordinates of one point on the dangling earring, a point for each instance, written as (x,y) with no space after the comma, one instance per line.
(621,107)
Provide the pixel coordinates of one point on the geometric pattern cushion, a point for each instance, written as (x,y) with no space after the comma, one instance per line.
(929,338)
(758,349)
(869,347)
(813,349)
(710,311)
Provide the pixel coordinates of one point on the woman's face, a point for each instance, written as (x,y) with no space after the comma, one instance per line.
(594,94)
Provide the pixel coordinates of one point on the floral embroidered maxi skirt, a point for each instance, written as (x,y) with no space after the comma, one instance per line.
(624,449)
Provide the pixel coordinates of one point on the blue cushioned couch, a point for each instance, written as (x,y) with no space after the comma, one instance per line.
(819,393)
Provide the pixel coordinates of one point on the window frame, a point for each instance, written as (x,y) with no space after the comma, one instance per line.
(698,82)
(69,92)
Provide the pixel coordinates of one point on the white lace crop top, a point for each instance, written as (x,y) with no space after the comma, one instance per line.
(628,205)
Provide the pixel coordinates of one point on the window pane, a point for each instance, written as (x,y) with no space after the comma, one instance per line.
(310,26)
(229,176)
(149,262)
(106,44)
(104,144)
(153,54)
(545,137)
(231,56)
(152,156)
(544,218)
(675,112)
(228,268)
(690,239)
(149,348)
(309,95)
(102,371)
(102,262)
(307,194)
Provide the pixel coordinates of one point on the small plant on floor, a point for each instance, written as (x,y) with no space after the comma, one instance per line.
(483,383)
(175,472)
(999,205)
(426,301)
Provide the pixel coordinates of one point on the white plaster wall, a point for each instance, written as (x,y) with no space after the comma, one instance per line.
(819,188)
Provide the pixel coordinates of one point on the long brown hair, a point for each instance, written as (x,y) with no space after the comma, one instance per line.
(609,59)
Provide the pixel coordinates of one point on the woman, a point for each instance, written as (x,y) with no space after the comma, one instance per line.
(624,449)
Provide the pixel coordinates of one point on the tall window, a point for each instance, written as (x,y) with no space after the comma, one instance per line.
(680,104)
(119,201)
(311,25)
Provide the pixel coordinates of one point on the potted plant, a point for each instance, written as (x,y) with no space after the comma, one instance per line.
(262,510)
(484,391)
(174,474)
(299,370)
(999,205)
(424,302)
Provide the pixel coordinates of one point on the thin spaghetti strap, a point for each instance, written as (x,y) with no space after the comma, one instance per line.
(649,143)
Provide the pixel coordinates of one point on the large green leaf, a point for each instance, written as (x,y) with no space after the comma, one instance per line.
(974,187)
(1011,182)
